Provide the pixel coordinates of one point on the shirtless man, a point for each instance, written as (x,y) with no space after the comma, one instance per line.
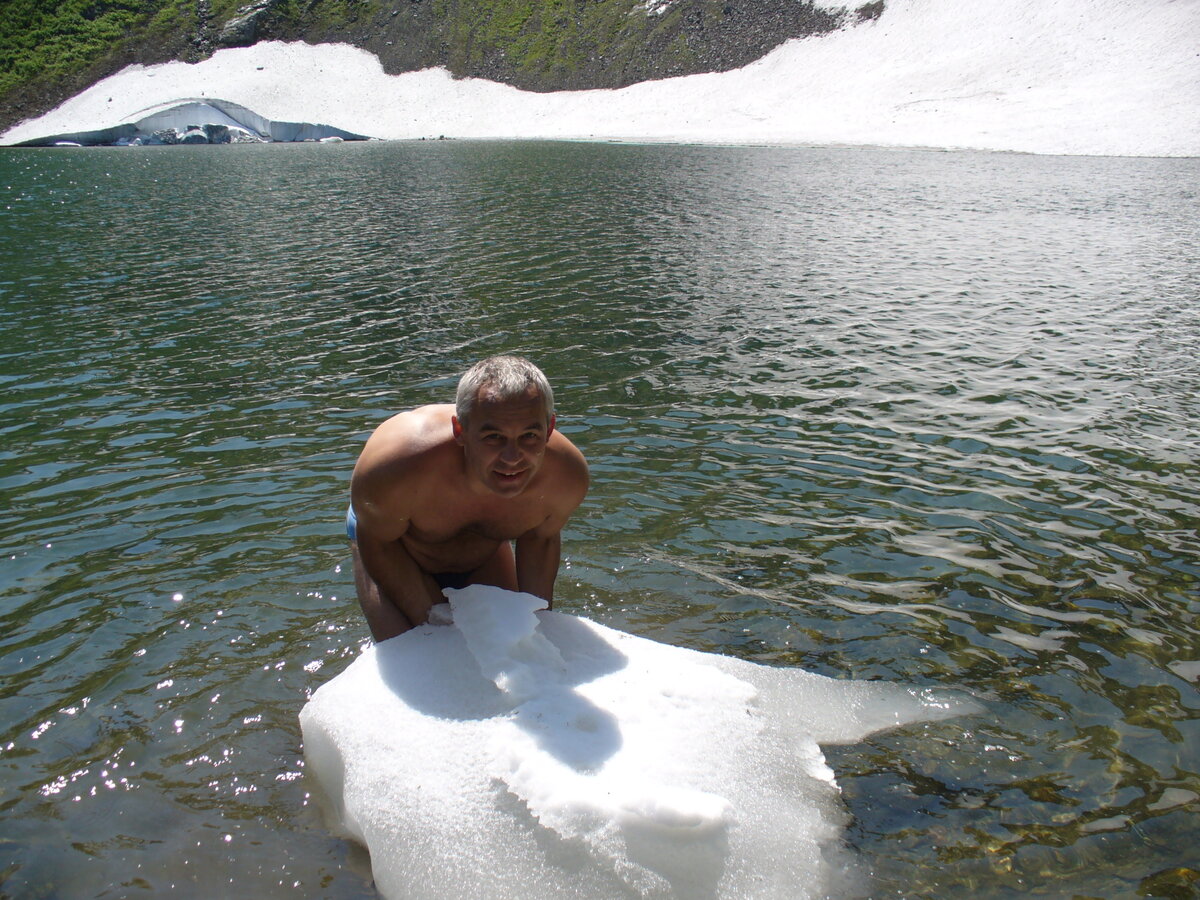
(440,491)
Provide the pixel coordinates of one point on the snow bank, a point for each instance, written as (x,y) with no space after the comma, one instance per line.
(535,754)
(1110,77)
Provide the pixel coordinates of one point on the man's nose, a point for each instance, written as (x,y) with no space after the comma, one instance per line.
(511,452)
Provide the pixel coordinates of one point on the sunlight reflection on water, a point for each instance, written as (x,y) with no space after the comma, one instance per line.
(924,417)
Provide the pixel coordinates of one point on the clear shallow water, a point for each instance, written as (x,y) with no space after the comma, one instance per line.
(923,417)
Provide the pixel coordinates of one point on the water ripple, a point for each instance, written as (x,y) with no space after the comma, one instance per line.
(926,417)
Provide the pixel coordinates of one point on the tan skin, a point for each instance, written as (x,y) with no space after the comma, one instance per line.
(435,496)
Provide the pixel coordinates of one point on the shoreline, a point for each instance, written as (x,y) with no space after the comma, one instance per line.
(650,142)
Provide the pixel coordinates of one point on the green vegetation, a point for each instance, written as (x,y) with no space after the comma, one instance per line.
(551,38)
(325,14)
(172,18)
(47,40)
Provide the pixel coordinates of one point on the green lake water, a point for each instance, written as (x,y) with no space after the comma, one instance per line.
(913,416)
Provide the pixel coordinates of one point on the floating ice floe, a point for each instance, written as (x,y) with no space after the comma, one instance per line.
(525,753)
(195,121)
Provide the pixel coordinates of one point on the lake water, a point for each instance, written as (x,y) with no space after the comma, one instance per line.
(916,416)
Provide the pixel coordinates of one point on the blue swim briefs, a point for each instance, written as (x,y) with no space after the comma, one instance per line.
(351,524)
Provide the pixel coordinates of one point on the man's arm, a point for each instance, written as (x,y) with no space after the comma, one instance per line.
(383,616)
(538,555)
(540,549)
(394,592)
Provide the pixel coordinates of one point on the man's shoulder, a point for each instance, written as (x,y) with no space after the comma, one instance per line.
(565,447)
(571,466)
(414,430)
(409,440)
(420,420)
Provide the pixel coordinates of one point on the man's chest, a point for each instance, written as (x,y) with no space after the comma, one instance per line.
(468,526)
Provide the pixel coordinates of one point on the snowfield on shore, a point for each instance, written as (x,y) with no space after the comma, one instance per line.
(1112,77)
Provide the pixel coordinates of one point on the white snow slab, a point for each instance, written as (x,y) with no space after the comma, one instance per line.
(1109,77)
(180,116)
(533,754)
(184,116)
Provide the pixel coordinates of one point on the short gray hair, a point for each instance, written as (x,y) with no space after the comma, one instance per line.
(506,378)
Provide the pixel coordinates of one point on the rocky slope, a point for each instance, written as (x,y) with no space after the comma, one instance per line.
(50,51)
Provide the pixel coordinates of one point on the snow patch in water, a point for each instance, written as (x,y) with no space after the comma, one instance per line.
(522,752)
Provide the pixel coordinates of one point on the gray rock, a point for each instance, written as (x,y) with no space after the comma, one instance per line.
(245,137)
(242,29)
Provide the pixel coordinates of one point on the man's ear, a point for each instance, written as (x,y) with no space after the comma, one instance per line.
(457,428)
(550,430)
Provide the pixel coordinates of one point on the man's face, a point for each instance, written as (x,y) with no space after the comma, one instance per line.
(504,441)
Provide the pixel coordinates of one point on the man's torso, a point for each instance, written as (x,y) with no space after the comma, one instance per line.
(452,528)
